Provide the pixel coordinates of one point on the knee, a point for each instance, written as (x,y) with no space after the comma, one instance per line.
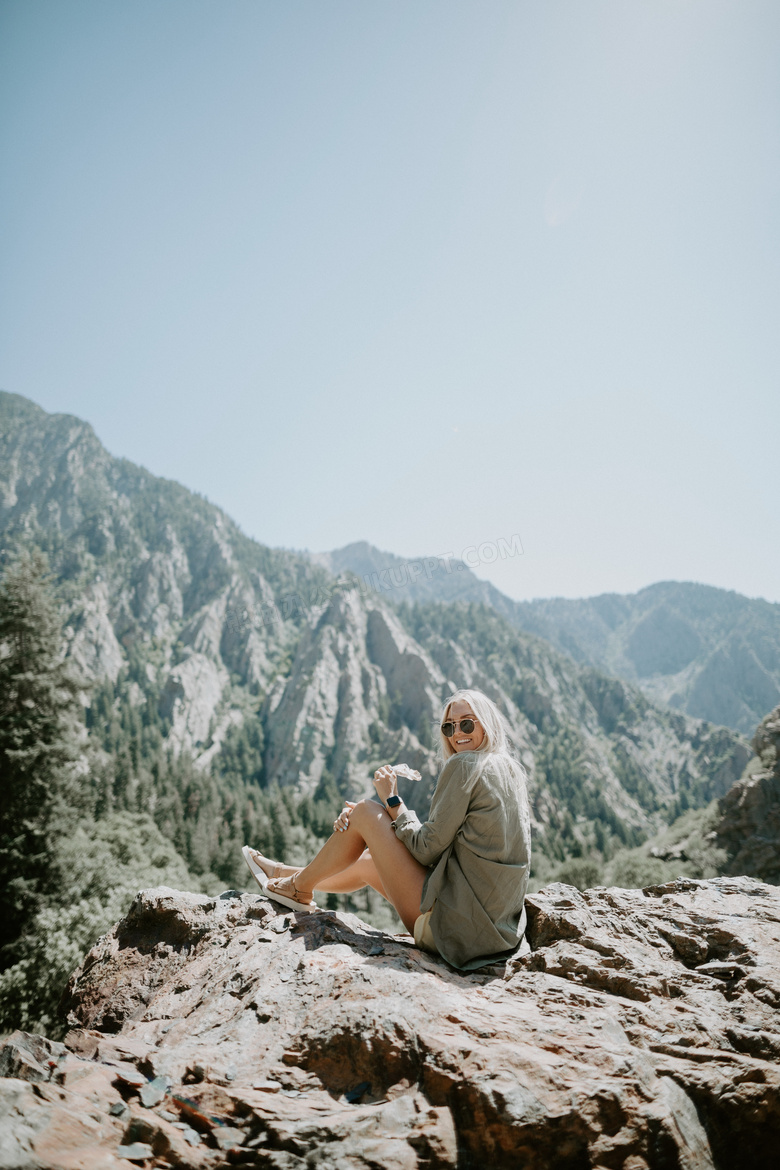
(365,812)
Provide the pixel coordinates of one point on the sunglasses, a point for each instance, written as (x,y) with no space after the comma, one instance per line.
(466,726)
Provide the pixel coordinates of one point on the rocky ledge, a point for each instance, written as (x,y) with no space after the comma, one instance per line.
(643,1030)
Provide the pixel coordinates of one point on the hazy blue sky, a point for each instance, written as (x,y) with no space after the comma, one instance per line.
(420,272)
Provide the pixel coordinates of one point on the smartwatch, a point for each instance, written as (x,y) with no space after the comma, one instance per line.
(393,802)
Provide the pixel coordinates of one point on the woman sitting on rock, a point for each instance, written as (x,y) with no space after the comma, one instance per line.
(458,880)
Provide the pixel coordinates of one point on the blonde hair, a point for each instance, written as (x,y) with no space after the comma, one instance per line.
(495,751)
(490,719)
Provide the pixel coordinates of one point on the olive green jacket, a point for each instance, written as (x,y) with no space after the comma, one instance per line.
(477,845)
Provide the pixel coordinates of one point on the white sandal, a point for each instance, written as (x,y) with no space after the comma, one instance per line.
(257,871)
(263,880)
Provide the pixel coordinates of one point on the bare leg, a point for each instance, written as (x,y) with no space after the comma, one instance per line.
(355,877)
(401,876)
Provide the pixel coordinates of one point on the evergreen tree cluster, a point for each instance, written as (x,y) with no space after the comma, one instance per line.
(208,814)
(41,765)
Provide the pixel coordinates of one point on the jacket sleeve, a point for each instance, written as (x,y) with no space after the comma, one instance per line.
(426,842)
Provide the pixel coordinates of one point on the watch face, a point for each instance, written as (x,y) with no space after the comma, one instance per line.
(393,801)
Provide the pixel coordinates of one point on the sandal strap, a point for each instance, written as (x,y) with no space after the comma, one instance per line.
(296,894)
(278,866)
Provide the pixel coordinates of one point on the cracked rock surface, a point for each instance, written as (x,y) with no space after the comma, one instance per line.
(641,1031)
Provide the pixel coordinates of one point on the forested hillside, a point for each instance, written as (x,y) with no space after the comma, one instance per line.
(236,693)
(706,651)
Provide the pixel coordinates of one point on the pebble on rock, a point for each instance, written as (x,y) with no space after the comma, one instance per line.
(136,1152)
(228,1138)
(153,1092)
(134,1079)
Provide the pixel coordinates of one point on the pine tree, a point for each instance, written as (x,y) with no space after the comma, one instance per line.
(40,746)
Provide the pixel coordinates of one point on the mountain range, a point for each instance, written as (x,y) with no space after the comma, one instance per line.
(275,671)
(709,652)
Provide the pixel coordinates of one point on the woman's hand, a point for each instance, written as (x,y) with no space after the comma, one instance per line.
(341,823)
(385,782)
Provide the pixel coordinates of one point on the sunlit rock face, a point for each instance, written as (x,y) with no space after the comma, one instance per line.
(93,645)
(642,1029)
(349,667)
(190,697)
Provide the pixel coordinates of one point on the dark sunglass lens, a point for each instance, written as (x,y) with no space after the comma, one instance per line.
(467,725)
(447,729)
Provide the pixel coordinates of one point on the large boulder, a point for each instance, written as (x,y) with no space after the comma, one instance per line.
(641,1031)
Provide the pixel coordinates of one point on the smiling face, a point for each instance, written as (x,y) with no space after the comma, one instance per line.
(460,741)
